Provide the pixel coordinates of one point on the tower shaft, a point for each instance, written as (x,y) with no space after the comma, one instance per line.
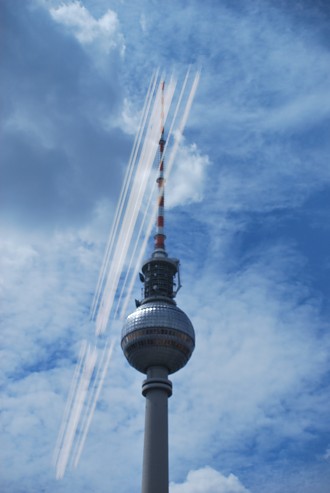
(156,389)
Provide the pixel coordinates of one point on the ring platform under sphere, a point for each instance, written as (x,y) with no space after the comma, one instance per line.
(158,334)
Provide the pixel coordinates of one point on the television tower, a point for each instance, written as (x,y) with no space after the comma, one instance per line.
(158,339)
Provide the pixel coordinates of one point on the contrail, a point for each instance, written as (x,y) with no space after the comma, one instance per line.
(124,234)
(125,187)
(134,218)
(183,122)
(88,367)
(129,273)
(178,105)
(87,406)
(74,383)
(122,198)
(103,368)
(133,207)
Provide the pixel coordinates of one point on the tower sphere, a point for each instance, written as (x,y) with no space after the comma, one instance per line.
(158,333)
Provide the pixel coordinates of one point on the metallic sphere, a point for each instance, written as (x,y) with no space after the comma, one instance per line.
(158,334)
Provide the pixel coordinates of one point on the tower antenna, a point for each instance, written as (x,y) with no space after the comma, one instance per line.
(160,236)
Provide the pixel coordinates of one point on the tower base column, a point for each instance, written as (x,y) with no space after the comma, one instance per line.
(156,389)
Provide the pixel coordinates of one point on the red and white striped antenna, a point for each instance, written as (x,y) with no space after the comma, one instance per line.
(160,236)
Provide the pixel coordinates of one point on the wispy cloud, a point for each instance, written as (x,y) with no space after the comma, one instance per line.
(188,177)
(105,31)
(261,335)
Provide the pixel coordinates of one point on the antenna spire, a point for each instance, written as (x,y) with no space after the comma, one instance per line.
(160,236)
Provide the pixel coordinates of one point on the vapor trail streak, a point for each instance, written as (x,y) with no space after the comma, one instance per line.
(125,220)
(86,407)
(118,259)
(89,364)
(178,105)
(183,122)
(96,391)
(122,198)
(127,180)
(132,210)
(138,263)
(167,103)
(73,387)
(91,392)
(133,257)
(128,177)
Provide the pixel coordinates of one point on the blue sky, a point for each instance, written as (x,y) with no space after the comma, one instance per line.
(248,217)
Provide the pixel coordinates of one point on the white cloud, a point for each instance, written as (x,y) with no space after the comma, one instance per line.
(128,120)
(187,180)
(303,111)
(104,31)
(250,381)
(326,455)
(208,480)
(143,23)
